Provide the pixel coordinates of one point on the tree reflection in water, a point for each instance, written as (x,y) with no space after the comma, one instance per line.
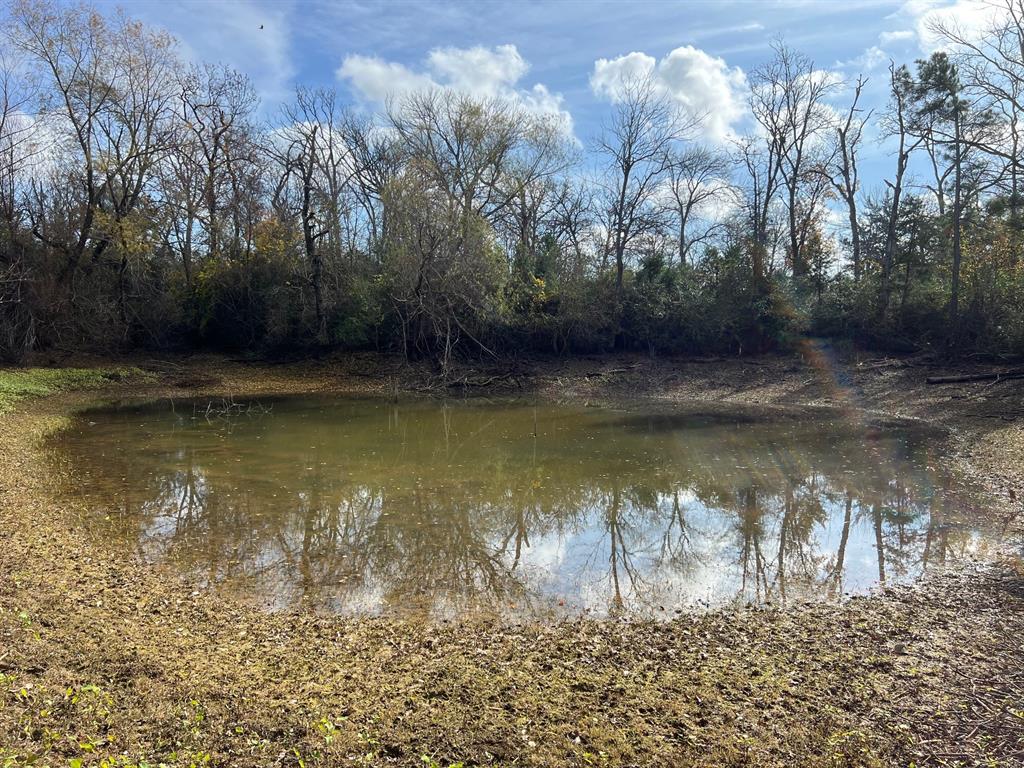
(361,505)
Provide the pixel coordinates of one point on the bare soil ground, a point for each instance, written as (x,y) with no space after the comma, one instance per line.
(108,661)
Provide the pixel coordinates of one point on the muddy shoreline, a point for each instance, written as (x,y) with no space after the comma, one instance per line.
(102,657)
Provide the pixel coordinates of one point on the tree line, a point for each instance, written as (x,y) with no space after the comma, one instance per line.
(145,203)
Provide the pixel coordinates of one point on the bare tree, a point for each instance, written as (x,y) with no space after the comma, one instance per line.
(524,223)
(841,167)
(313,156)
(761,166)
(698,180)
(787,100)
(182,189)
(572,225)
(991,66)
(17,148)
(17,143)
(105,91)
(638,147)
(951,124)
(479,153)
(467,165)
(377,158)
(217,104)
(439,270)
(898,121)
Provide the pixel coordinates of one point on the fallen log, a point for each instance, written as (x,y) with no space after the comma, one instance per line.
(969,377)
(610,371)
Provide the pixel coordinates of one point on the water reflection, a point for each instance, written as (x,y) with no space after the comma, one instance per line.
(361,505)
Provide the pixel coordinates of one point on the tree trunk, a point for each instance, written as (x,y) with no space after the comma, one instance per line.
(889,255)
(799,269)
(682,241)
(854,236)
(954,299)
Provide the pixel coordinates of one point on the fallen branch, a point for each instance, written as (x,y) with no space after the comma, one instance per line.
(969,377)
(466,382)
(610,371)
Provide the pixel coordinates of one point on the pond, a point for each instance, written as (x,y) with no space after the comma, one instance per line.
(514,507)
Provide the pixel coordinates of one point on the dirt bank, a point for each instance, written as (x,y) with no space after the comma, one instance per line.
(103,658)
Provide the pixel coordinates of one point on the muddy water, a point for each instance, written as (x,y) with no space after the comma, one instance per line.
(516,507)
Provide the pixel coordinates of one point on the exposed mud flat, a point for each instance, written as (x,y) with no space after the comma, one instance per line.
(104,658)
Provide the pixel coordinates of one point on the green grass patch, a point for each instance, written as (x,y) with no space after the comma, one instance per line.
(17,384)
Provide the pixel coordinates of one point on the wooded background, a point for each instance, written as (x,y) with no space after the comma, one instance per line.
(143,204)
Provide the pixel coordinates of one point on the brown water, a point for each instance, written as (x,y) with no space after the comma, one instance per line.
(361,505)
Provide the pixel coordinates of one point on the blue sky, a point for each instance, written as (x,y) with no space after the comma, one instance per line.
(550,54)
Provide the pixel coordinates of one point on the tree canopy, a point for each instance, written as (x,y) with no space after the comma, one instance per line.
(145,203)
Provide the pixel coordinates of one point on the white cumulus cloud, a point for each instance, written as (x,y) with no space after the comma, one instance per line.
(872,58)
(969,17)
(704,86)
(377,79)
(478,71)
